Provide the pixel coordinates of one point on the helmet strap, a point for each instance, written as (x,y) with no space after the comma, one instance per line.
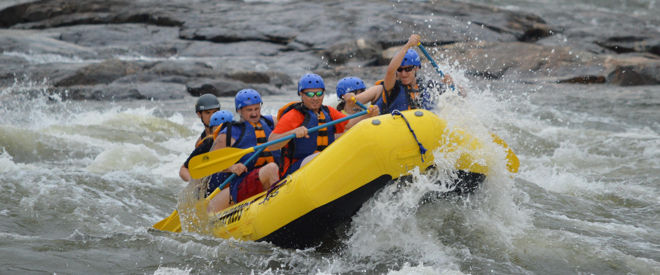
(206,126)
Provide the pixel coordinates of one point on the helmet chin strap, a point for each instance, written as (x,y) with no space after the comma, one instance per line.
(206,126)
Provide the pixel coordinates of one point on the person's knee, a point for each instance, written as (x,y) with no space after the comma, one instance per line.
(269,173)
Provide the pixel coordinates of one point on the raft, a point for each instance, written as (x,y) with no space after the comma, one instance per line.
(300,209)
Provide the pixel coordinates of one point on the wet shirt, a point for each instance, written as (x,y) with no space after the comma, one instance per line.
(294,119)
(204,147)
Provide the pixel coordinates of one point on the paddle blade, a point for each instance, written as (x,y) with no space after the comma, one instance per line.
(512,162)
(171,223)
(215,161)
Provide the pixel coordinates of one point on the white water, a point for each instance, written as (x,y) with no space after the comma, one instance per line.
(82,183)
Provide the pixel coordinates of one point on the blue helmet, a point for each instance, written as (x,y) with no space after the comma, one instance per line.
(310,81)
(220,117)
(246,97)
(411,59)
(349,84)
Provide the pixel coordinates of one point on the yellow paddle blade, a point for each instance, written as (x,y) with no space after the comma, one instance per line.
(215,161)
(512,163)
(171,223)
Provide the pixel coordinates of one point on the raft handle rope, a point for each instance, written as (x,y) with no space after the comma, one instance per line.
(422,150)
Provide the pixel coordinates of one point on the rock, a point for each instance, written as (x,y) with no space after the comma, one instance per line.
(387,54)
(118,92)
(37,72)
(274,78)
(186,68)
(554,64)
(643,73)
(631,43)
(98,92)
(153,49)
(240,31)
(162,91)
(11,69)
(55,13)
(597,32)
(218,87)
(125,39)
(532,27)
(227,87)
(250,48)
(360,49)
(101,73)
(35,43)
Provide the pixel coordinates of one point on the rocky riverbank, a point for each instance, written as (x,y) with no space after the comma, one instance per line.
(148,49)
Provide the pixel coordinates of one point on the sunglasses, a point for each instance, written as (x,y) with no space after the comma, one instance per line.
(312,94)
(407,69)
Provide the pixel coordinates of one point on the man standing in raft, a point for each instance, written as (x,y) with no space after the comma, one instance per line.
(297,117)
(252,130)
(401,89)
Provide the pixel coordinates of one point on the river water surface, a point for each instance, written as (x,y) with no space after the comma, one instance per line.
(82,183)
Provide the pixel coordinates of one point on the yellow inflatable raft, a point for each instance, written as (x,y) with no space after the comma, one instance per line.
(332,187)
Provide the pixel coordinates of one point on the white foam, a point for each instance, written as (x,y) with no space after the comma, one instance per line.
(46,58)
(124,157)
(421,269)
(7,162)
(172,271)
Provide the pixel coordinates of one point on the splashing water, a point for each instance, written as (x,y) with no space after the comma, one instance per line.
(86,180)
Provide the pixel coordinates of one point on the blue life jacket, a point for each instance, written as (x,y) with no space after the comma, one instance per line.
(245,136)
(404,97)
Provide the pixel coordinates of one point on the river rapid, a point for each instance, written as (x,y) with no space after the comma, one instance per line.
(82,182)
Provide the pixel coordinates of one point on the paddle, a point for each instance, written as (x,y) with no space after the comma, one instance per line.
(512,159)
(173,222)
(435,65)
(218,160)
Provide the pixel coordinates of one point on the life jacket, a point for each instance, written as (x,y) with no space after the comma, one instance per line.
(402,97)
(202,137)
(299,148)
(247,135)
(217,130)
(215,179)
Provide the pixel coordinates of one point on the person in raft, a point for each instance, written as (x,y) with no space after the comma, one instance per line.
(218,119)
(206,106)
(297,117)
(252,130)
(345,85)
(401,89)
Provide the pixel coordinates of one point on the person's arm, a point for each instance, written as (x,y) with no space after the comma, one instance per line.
(197,141)
(289,123)
(344,126)
(395,63)
(447,80)
(184,174)
(369,95)
(371,112)
(221,141)
(299,132)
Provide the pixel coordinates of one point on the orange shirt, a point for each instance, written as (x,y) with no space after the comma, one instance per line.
(294,119)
